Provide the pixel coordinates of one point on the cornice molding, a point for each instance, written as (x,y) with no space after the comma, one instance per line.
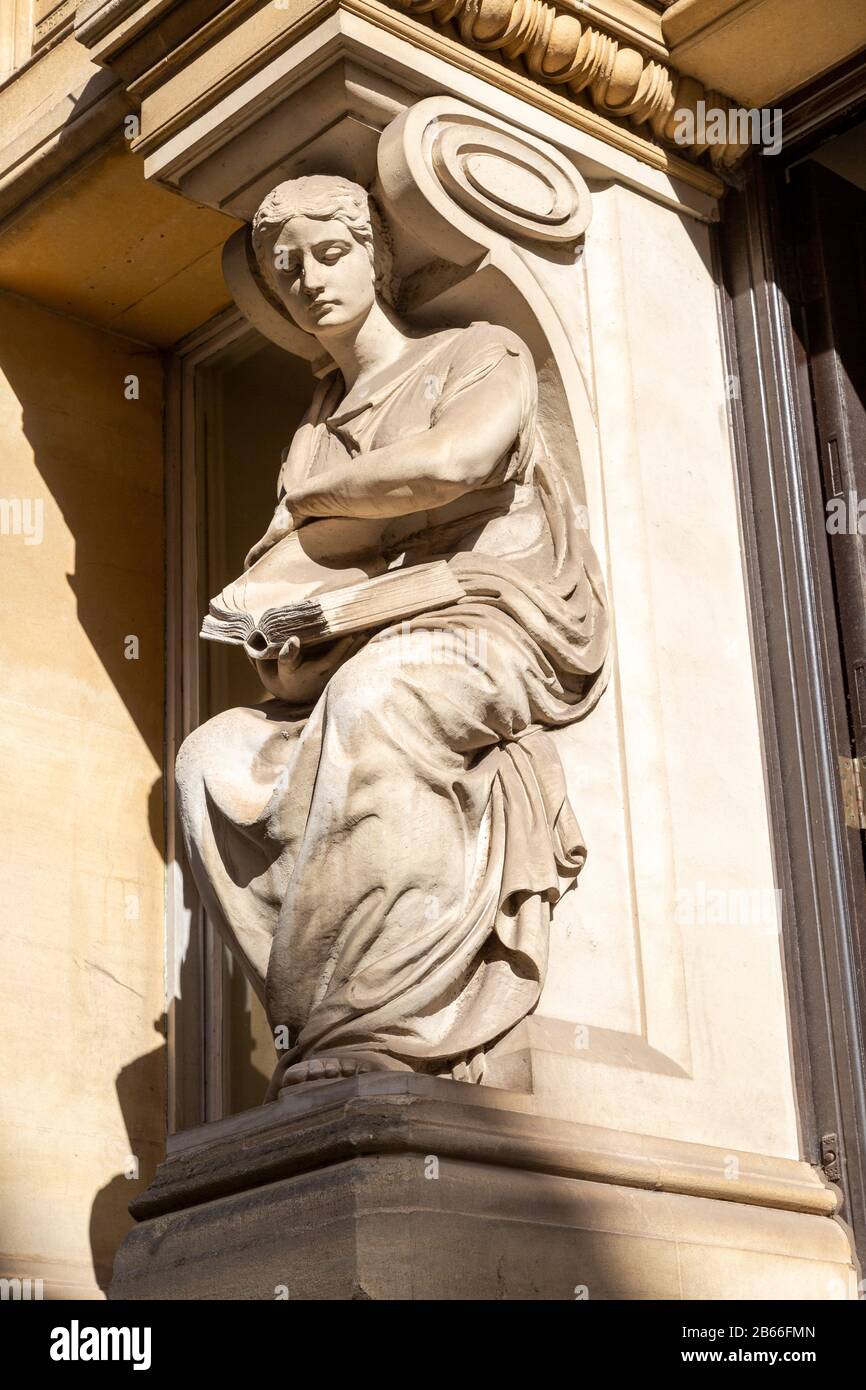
(132,36)
(629,20)
(50,25)
(560,50)
(599,70)
(96,19)
(350,29)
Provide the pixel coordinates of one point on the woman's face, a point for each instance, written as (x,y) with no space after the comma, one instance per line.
(323,276)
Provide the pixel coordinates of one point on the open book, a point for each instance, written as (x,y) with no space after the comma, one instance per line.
(316,585)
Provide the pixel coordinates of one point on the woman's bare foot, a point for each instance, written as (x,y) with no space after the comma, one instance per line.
(334,1068)
(338,1066)
(325,1069)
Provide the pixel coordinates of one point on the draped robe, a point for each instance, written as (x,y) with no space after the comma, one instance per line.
(385,863)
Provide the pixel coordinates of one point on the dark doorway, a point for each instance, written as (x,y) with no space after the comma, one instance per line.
(793,262)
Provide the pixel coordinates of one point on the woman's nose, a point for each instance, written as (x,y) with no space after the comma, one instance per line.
(313,281)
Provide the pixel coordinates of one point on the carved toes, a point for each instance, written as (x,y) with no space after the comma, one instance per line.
(324,1069)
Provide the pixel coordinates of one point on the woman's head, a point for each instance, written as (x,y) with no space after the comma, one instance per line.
(323,249)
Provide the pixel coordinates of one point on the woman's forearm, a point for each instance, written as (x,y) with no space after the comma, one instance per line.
(426,470)
(412,476)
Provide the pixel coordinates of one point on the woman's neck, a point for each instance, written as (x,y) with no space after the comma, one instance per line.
(377,344)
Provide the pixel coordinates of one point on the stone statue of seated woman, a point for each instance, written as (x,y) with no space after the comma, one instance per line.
(383,839)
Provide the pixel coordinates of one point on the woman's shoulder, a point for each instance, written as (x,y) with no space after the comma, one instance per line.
(482,331)
(481,339)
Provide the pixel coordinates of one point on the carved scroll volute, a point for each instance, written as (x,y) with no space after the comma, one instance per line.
(483,195)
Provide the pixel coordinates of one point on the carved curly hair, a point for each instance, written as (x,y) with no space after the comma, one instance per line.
(326,197)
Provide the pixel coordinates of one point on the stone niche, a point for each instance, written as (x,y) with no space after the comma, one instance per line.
(636,1136)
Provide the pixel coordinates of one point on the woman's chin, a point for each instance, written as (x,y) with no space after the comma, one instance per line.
(332,323)
(337,323)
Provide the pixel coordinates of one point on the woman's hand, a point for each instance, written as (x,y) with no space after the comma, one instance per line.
(282,525)
(299,675)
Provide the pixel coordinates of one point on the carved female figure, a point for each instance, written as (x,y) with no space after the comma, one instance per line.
(382,840)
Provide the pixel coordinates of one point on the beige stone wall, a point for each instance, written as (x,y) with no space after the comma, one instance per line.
(81,821)
(667,960)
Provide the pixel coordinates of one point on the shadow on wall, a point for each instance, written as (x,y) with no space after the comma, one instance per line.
(92,414)
(140,1089)
(82,556)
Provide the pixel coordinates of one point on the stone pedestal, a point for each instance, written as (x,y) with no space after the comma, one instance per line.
(405,1187)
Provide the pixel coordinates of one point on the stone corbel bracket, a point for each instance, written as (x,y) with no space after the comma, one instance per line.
(558,49)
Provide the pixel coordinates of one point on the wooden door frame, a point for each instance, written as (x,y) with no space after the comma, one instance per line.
(194,959)
(796,649)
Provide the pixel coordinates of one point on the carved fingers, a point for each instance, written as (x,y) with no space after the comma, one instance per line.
(282,524)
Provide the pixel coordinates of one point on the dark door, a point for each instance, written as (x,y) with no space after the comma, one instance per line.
(831,249)
(826,218)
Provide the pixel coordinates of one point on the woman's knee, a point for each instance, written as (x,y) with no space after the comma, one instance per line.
(369,693)
(189,770)
(205,749)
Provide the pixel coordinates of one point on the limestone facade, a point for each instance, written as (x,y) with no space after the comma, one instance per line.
(653,1088)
